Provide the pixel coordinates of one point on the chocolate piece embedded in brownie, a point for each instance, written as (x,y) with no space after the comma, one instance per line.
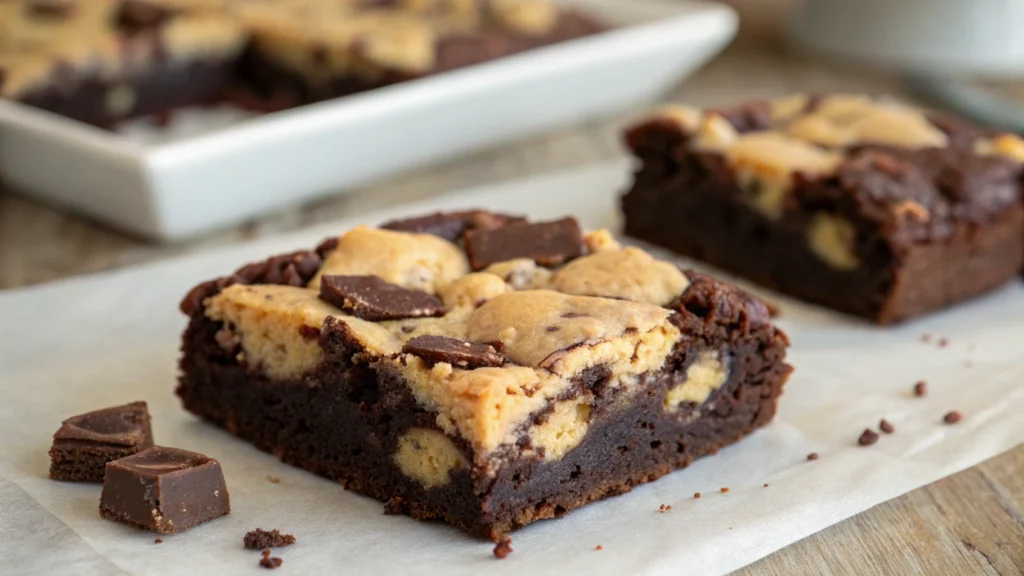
(165,490)
(346,47)
(85,443)
(539,389)
(77,62)
(866,206)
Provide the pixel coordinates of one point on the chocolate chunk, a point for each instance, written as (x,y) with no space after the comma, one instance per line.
(259,539)
(547,243)
(373,299)
(85,443)
(164,489)
(452,225)
(460,353)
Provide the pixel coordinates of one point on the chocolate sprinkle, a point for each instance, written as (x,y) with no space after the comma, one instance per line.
(547,243)
(461,353)
(373,299)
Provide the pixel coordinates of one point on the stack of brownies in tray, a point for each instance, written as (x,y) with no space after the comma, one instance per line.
(102,61)
(861,204)
(480,368)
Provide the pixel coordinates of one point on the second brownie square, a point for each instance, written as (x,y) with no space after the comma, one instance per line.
(866,206)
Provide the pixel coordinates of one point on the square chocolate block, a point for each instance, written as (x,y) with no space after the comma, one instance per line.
(863,205)
(85,443)
(571,370)
(164,489)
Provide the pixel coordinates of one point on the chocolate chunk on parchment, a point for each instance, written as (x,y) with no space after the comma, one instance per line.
(372,298)
(164,489)
(259,539)
(547,243)
(85,443)
(460,353)
(452,225)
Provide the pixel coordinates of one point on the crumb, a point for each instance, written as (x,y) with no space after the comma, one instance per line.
(811,456)
(886,426)
(599,547)
(269,562)
(669,507)
(920,388)
(773,309)
(503,548)
(926,338)
(661,509)
(765,484)
(723,490)
(273,479)
(952,417)
(943,342)
(868,438)
(260,538)
(696,494)
(158,541)
(393,506)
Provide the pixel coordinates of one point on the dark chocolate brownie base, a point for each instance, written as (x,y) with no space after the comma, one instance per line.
(84,461)
(272,81)
(343,423)
(156,90)
(693,206)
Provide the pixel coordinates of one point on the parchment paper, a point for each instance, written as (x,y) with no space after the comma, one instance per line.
(108,339)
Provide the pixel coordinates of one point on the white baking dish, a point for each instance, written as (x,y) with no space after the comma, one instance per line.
(216,168)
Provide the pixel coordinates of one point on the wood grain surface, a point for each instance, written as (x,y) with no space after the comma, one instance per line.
(970,523)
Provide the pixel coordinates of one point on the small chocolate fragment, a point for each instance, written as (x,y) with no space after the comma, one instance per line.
(696,494)
(724,490)
(460,353)
(503,548)
(373,299)
(812,456)
(886,426)
(952,417)
(920,388)
(452,225)
(547,243)
(260,538)
(269,562)
(599,548)
(158,541)
(868,437)
(85,443)
(164,489)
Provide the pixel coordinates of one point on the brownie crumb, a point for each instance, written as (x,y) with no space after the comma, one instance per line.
(273,479)
(270,562)
(260,538)
(811,456)
(952,417)
(920,388)
(158,541)
(868,438)
(393,506)
(943,342)
(724,490)
(696,494)
(599,547)
(886,426)
(503,548)
(661,509)
(765,484)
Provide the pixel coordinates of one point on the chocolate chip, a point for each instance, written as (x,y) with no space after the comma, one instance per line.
(50,8)
(547,243)
(868,437)
(434,349)
(452,225)
(373,299)
(327,246)
(886,426)
(952,417)
(920,388)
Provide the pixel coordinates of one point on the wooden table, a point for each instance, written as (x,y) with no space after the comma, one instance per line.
(970,523)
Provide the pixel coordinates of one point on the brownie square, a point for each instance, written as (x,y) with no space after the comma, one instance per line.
(863,205)
(569,372)
(164,489)
(85,443)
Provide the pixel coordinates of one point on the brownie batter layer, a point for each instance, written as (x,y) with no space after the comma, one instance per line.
(345,422)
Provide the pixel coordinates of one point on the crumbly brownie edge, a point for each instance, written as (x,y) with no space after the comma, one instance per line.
(298,421)
(81,462)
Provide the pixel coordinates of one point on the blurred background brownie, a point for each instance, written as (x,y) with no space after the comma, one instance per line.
(864,205)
